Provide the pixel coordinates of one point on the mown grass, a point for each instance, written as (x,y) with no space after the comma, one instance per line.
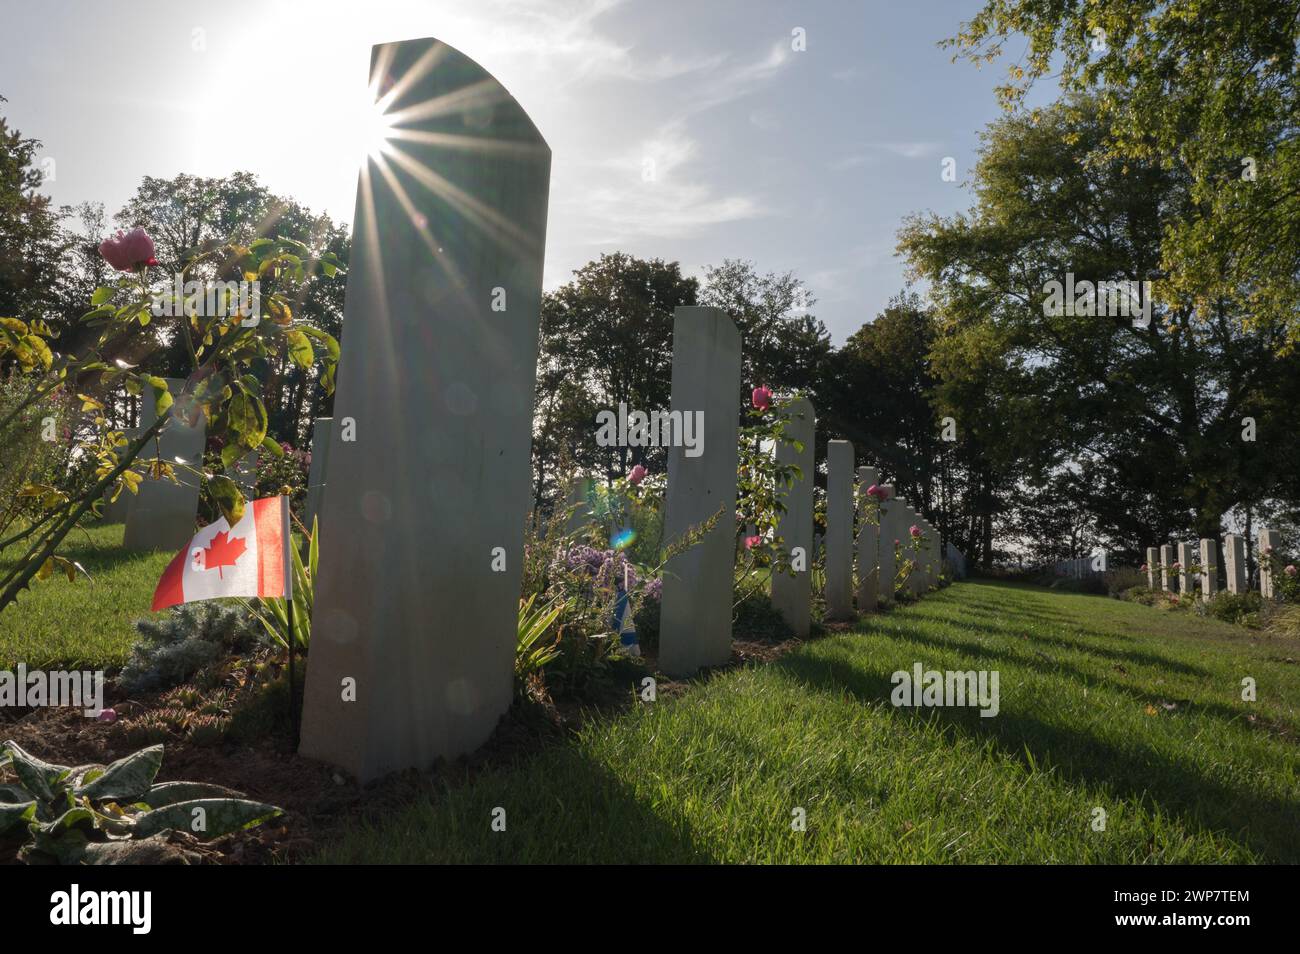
(61,625)
(1104,705)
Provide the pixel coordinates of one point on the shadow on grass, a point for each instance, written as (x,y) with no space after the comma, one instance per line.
(560,806)
(1266,825)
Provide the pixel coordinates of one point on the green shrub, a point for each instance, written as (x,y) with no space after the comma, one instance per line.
(757,618)
(185,642)
(1239,608)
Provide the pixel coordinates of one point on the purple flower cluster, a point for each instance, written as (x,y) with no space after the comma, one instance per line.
(607,569)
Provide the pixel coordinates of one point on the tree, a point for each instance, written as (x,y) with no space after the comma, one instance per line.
(783,343)
(1153,413)
(1207,90)
(29,231)
(189,212)
(606,336)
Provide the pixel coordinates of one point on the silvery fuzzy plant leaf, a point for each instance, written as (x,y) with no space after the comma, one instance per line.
(220,816)
(126,779)
(42,779)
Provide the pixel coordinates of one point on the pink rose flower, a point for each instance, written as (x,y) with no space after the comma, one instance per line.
(107,715)
(762,397)
(1177,566)
(636,475)
(751,542)
(915,530)
(874,490)
(896,543)
(1144,567)
(128,251)
(1290,570)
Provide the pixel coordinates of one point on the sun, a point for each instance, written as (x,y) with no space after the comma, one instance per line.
(372,125)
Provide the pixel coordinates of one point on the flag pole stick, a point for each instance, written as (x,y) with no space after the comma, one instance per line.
(287,561)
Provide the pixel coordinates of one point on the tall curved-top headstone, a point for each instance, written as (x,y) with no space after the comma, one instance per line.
(792,592)
(695,608)
(413,629)
(161,516)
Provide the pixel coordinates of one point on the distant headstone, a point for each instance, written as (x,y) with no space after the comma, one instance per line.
(888,534)
(417,595)
(695,608)
(1166,567)
(577,505)
(1186,557)
(1234,562)
(162,515)
(1269,543)
(1153,560)
(1209,568)
(792,592)
(245,475)
(868,543)
(115,511)
(839,530)
(317,471)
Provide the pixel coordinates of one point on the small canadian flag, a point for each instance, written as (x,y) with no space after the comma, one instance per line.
(248,559)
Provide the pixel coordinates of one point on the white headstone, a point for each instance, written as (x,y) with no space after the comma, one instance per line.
(792,591)
(888,533)
(417,595)
(321,438)
(1270,541)
(162,515)
(1153,560)
(1209,568)
(839,530)
(1186,557)
(868,542)
(1234,562)
(1166,567)
(695,609)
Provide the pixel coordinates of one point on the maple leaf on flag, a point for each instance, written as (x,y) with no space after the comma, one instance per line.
(223,551)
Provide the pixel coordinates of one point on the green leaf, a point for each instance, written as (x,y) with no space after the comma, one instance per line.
(273,446)
(223,815)
(230,454)
(101,296)
(170,793)
(16,814)
(247,416)
(126,779)
(228,497)
(301,352)
(39,778)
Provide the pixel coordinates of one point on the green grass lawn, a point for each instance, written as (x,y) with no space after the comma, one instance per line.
(62,625)
(1104,704)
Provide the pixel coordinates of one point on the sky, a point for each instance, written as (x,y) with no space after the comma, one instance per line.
(795,159)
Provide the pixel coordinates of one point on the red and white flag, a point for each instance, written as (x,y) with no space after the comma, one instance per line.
(248,559)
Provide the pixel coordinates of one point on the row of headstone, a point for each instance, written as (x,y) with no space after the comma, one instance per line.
(414,623)
(1198,566)
(884,536)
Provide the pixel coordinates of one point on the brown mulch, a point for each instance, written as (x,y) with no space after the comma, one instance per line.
(319,799)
